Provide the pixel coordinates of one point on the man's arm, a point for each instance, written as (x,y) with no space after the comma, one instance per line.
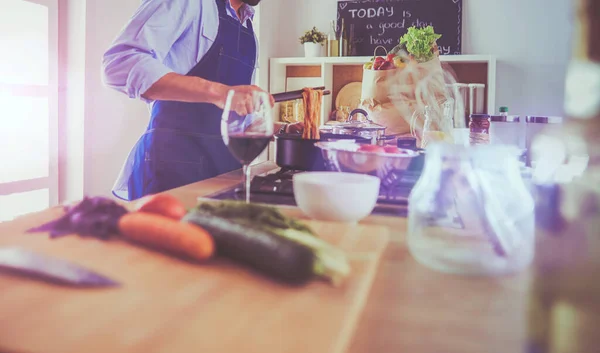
(134,62)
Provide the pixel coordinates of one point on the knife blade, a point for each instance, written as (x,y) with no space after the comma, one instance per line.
(52,269)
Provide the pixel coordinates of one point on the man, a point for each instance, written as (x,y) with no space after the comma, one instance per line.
(182,57)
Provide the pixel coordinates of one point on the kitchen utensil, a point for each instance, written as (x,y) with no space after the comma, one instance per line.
(349,96)
(169,303)
(462,220)
(296,153)
(336,197)
(292,95)
(346,157)
(49,268)
(476,98)
(461,108)
(365,129)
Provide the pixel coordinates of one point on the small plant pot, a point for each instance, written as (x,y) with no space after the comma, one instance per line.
(312,50)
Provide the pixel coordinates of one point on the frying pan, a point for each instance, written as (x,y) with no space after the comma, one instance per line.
(295,153)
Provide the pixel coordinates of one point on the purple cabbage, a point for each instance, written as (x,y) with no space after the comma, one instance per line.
(94,216)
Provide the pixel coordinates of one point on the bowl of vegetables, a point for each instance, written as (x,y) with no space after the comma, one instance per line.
(373,160)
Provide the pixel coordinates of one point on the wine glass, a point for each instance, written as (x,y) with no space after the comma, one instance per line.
(247,135)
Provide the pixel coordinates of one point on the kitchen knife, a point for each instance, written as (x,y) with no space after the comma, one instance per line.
(52,269)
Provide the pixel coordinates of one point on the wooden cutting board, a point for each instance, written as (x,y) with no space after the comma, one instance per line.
(172,306)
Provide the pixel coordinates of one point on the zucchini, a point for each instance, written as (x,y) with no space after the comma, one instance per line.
(277,257)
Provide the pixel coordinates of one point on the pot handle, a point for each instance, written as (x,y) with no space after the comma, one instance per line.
(356,111)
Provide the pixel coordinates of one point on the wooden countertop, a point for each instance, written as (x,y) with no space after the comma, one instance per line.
(413,309)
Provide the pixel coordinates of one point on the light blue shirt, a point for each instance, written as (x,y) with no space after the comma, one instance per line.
(163,36)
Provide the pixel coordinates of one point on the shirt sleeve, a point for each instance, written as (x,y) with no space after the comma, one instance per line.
(134,61)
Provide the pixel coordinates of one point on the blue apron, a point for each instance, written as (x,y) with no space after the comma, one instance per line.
(183,142)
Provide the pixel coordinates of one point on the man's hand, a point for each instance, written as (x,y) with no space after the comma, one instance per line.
(180,88)
(295,128)
(244,98)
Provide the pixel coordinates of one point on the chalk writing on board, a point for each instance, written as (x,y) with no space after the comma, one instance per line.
(383,22)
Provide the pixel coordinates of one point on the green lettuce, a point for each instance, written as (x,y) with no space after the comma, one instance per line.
(419,42)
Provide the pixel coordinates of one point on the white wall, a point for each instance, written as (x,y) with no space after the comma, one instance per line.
(530,38)
(114,122)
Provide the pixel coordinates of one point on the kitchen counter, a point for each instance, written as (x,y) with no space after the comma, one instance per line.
(411,308)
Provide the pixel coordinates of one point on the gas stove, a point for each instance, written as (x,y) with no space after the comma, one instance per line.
(276,188)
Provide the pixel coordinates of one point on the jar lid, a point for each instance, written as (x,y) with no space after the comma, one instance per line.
(544,119)
(503,109)
(506,118)
(479,116)
(407,142)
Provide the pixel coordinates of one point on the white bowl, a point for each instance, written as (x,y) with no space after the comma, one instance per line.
(336,196)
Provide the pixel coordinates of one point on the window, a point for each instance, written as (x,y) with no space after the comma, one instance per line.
(29,106)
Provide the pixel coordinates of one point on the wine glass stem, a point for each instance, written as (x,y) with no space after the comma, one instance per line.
(246,170)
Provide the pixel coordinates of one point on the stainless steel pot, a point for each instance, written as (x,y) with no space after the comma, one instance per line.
(364,129)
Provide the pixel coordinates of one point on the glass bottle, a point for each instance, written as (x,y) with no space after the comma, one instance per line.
(503,111)
(439,123)
(333,46)
(461,218)
(351,41)
(343,40)
(564,296)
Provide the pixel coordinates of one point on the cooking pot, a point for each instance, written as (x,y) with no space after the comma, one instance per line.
(294,152)
(364,129)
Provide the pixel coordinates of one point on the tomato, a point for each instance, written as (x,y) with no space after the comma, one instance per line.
(392,149)
(387,66)
(371,148)
(161,204)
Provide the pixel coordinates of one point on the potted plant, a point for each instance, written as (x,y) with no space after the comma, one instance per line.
(313,40)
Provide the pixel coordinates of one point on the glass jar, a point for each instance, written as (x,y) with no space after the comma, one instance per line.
(461,218)
(479,129)
(439,123)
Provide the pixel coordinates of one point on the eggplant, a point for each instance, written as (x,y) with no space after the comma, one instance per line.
(278,257)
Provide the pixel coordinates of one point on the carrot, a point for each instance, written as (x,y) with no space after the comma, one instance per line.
(164,233)
(162,204)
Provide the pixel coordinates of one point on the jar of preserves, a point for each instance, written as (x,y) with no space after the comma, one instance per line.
(479,129)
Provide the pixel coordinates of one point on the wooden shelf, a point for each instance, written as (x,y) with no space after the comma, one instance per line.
(359,60)
(335,72)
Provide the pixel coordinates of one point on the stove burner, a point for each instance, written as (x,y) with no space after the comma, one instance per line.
(395,189)
(277,189)
(279,182)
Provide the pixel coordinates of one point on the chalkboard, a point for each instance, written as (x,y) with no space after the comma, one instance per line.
(383,22)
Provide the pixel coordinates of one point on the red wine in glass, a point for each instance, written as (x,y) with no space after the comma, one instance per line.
(247,131)
(246,147)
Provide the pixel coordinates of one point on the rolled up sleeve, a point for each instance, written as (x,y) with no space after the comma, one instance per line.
(135,59)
